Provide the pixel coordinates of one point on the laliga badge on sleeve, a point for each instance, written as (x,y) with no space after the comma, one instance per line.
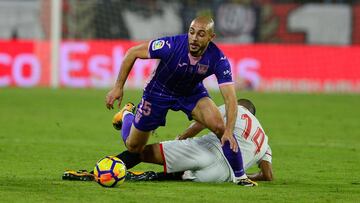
(158,44)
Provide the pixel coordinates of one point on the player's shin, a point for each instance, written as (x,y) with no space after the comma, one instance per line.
(130,159)
(126,126)
(235,160)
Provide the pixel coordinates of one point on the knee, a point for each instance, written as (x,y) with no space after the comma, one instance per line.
(134,147)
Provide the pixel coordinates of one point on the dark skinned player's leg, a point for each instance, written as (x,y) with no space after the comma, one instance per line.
(207,113)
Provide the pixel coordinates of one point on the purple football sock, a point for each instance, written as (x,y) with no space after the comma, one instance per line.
(126,125)
(235,159)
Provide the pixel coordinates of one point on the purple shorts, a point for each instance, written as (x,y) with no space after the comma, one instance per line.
(151,111)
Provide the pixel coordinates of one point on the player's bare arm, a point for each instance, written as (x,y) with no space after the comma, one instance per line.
(265,174)
(116,93)
(229,96)
(194,129)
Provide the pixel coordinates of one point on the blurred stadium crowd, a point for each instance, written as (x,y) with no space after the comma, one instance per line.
(237,21)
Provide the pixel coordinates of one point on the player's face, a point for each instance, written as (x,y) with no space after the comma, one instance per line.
(199,38)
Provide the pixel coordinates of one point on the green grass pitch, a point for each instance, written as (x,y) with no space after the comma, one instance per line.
(315,140)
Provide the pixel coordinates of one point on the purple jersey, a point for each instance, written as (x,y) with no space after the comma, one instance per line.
(179,73)
(176,83)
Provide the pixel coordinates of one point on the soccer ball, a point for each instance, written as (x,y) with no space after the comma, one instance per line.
(110,171)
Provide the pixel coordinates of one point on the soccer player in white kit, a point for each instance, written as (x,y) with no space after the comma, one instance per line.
(202,159)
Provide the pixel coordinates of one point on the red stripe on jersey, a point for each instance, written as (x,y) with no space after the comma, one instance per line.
(163,156)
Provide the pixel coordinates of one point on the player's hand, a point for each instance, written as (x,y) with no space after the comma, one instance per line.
(115,93)
(227,136)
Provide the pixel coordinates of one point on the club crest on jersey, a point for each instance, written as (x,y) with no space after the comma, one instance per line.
(202,69)
(158,44)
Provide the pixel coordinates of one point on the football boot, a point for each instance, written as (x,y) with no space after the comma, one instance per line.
(82,175)
(141,176)
(117,119)
(246,182)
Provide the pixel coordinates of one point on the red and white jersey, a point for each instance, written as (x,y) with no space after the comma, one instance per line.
(203,158)
(250,136)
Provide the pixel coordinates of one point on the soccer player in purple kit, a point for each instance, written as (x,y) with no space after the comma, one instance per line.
(176,84)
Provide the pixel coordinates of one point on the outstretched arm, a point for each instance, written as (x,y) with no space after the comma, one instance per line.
(116,93)
(229,96)
(265,174)
(191,131)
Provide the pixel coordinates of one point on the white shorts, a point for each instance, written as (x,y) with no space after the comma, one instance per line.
(200,158)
